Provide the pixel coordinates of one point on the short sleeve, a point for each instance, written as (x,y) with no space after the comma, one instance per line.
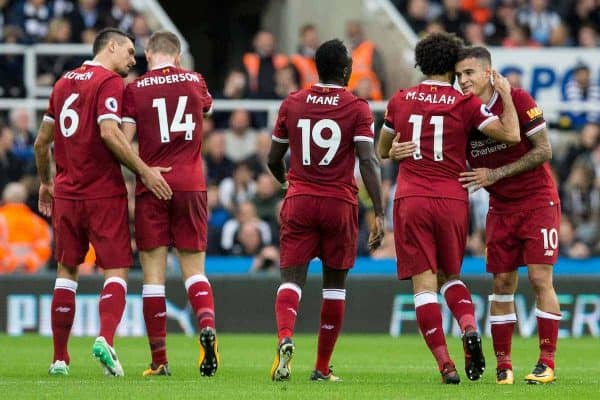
(110,99)
(477,114)
(207,100)
(280,133)
(531,117)
(129,112)
(388,118)
(364,126)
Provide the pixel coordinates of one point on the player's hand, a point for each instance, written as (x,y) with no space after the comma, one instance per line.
(401,150)
(377,232)
(152,178)
(46,194)
(478,178)
(500,83)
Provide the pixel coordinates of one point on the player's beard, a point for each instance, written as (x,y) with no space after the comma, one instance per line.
(124,72)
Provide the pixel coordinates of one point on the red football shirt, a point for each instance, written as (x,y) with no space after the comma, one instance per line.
(530,189)
(438,118)
(81,98)
(321,125)
(168,105)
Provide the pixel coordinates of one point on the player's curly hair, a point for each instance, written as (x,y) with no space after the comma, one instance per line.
(331,59)
(437,53)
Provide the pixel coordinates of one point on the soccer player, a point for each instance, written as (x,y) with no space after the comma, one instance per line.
(430,206)
(166,107)
(523,219)
(324,127)
(87,199)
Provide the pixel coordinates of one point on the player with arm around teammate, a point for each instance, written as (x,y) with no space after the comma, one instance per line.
(430,206)
(166,107)
(325,127)
(87,199)
(523,219)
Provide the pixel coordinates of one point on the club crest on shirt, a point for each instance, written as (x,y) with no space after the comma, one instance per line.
(111,104)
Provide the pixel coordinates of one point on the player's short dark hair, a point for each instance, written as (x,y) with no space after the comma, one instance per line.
(165,42)
(478,52)
(331,59)
(437,53)
(108,34)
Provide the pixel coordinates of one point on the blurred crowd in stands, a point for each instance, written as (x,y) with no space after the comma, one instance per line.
(243,198)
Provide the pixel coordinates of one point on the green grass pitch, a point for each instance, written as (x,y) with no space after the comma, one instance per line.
(372,367)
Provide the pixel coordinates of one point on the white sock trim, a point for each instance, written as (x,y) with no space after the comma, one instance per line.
(501,298)
(195,279)
(449,284)
(117,280)
(334,294)
(291,286)
(153,290)
(66,284)
(543,314)
(423,298)
(503,319)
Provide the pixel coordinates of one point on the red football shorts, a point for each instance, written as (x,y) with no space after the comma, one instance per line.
(522,238)
(102,222)
(179,222)
(314,226)
(430,234)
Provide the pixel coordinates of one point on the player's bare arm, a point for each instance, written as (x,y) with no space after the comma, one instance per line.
(385,143)
(507,129)
(539,154)
(43,141)
(151,176)
(129,130)
(371,176)
(401,150)
(276,163)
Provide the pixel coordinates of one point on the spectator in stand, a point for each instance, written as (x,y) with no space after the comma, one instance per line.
(453,18)
(583,12)
(569,245)
(218,165)
(234,88)
(122,15)
(366,60)
(248,240)
(11,167)
(86,15)
(217,216)
(519,36)
(559,37)
(261,65)
(587,140)
(51,67)
(238,188)
(474,34)
(480,10)
(285,81)
(33,17)
(304,60)
(240,138)
(258,160)
(245,213)
(4,14)
(580,88)
(11,65)
(142,32)
(515,77)
(578,195)
(28,247)
(267,260)
(417,15)
(505,17)
(587,36)
(266,198)
(20,119)
(540,19)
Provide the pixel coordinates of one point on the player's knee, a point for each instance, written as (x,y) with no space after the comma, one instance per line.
(540,280)
(504,284)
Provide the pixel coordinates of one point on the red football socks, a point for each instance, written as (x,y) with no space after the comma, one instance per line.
(503,327)
(332,316)
(548,334)
(155,316)
(62,315)
(200,296)
(111,307)
(460,303)
(429,318)
(286,308)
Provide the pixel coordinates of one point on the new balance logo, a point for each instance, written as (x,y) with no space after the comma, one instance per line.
(290,309)
(62,309)
(160,314)
(464,301)
(327,326)
(549,253)
(203,293)
(106,296)
(430,332)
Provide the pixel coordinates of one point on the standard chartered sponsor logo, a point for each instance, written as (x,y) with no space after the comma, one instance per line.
(486,147)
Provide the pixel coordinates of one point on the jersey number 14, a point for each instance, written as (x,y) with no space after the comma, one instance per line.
(178,124)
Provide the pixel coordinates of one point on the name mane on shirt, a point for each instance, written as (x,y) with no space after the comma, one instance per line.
(79,76)
(480,148)
(325,100)
(167,79)
(432,98)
